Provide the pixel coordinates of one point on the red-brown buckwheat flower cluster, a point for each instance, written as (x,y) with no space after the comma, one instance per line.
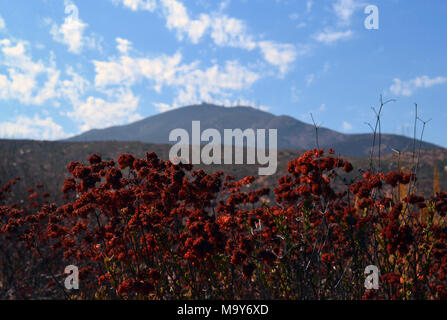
(150,229)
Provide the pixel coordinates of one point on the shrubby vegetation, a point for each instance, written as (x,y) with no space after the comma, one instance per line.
(149,229)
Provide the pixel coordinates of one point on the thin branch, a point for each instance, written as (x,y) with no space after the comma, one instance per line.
(424,123)
(376,128)
(414,136)
(316,130)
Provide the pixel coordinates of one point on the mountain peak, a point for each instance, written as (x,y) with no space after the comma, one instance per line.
(292,133)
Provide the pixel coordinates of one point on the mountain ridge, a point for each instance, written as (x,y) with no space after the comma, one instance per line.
(292,133)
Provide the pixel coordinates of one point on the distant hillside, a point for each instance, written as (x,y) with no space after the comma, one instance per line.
(46,162)
(292,133)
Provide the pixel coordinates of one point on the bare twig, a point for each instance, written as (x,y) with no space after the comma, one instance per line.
(377,128)
(316,131)
(414,136)
(424,123)
(398,167)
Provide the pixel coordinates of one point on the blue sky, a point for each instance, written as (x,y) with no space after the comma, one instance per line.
(70,66)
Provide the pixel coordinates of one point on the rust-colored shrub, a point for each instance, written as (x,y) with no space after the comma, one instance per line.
(164,231)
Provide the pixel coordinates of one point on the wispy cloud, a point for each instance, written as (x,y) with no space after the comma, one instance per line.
(71,32)
(135,5)
(37,83)
(329,36)
(34,82)
(310,79)
(117,108)
(231,32)
(178,19)
(123,45)
(223,30)
(32,128)
(346,126)
(407,88)
(277,54)
(344,10)
(191,83)
(309,5)
(2,24)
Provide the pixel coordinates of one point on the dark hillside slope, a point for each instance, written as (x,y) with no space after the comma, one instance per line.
(292,133)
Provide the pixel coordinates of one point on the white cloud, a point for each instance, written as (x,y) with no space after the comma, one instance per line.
(191,83)
(35,82)
(224,31)
(123,45)
(231,32)
(38,83)
(32,128)
(344,9)
(135,5)
(126,70)
(71,32)
(21,80)
(2,24)
(294,16)
(329,36)
(295,94)
(214,82)
(310,79)
(309,5)
(73,89)
(280,55)
(406,88)
(177,18)
(347,126)
(120,107)
(224,4)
